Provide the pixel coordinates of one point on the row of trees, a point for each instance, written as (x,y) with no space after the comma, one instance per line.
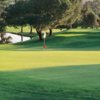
(47,14)
(91,14)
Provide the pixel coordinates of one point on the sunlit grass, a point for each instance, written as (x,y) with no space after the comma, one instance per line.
(18,29)
(18,60)
(25,29)
(70,35)
(68,69)
(84,30)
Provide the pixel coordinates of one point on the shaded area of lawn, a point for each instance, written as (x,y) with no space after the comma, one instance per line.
(57,83)
(64,40)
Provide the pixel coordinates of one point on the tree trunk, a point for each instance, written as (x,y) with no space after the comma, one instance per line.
(71,26)
(2,35)
(21,33)
(31,30)
(39,34)
(50,33)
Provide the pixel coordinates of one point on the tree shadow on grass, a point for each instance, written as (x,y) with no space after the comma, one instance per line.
(80,82)
(82,41)
(86,41)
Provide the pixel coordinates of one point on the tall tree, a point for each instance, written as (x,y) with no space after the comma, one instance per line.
(47,14)
(44,14)
(15,15)
(90,14)
(72,15)
(3,4)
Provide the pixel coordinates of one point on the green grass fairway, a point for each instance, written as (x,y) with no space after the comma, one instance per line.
(19,60)
(69,69)
(50,75)
(75,39)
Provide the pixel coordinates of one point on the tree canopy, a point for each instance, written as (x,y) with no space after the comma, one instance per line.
(47,14)
(43,14)
(91,13)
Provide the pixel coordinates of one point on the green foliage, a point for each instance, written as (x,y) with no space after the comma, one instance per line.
(15,14)
(90,14)
(44,14)
(3,5)
(72,15)
(2,25)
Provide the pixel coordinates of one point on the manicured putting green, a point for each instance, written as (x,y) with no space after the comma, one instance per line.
(19,60)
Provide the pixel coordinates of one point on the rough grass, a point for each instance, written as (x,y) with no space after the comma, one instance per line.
(69,69)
